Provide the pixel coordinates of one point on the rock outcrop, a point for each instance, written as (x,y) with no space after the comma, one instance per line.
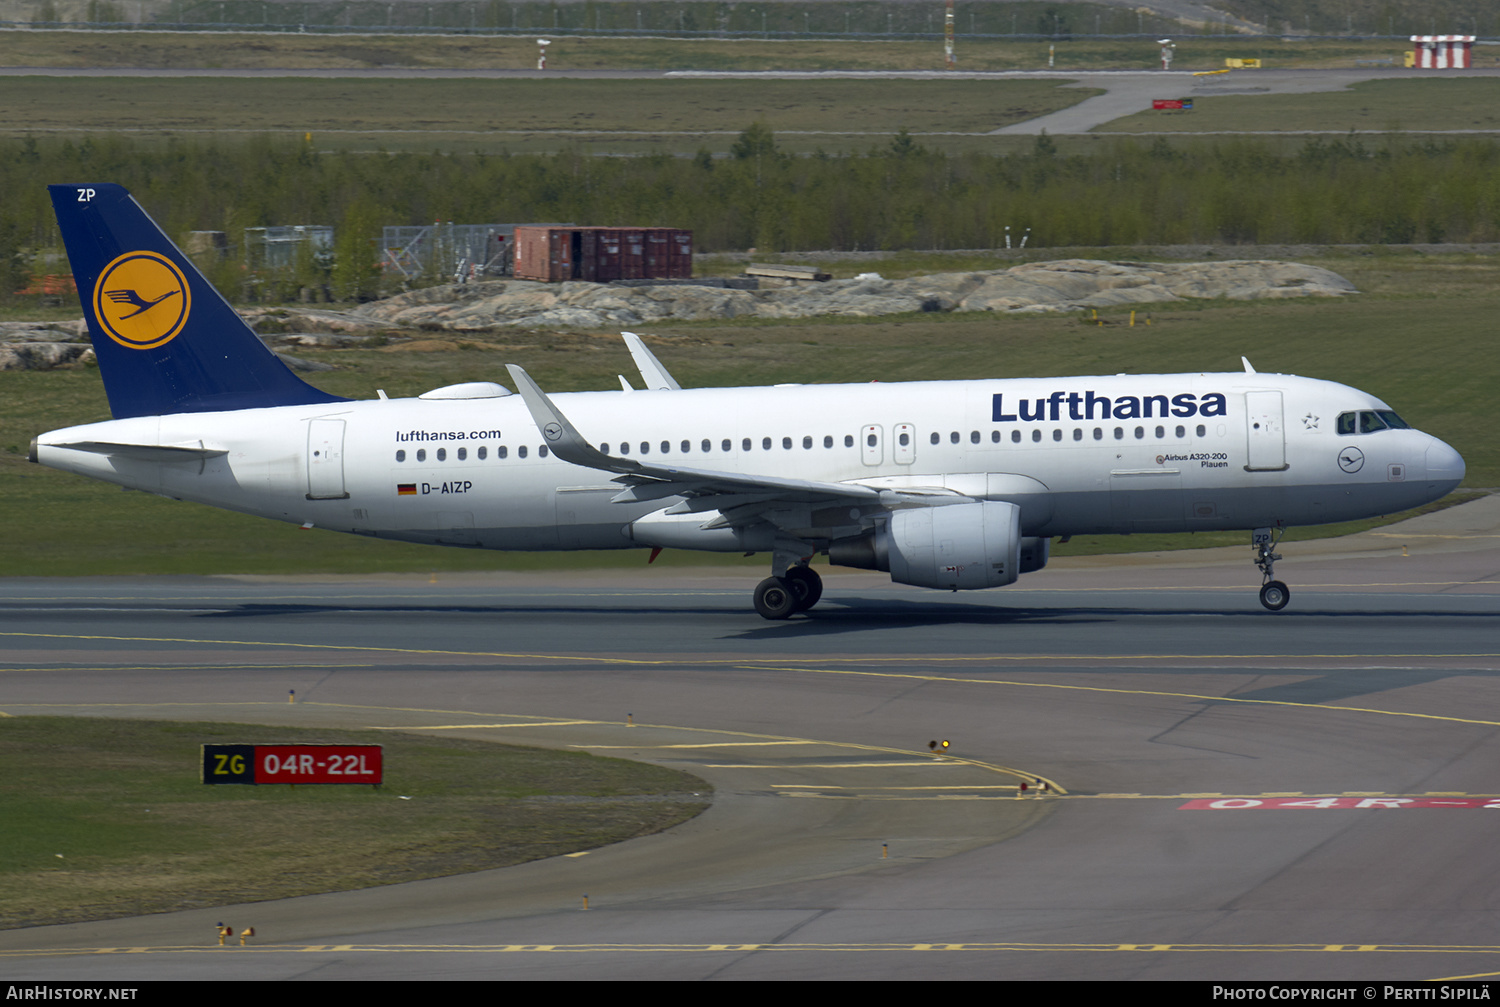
(1067,285)
(42,356)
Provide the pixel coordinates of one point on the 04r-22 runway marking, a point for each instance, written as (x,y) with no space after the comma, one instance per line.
(1337,803)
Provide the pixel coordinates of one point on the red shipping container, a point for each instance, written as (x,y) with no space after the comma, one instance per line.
(544,253)
(602,254)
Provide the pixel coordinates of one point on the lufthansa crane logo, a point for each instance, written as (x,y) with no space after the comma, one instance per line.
(142,300)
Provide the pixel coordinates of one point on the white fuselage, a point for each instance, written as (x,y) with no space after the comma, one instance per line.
(1133,453)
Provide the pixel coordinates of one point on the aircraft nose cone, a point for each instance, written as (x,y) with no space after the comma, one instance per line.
(1444,464)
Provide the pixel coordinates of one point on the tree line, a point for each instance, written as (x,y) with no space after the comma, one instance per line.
(900,195)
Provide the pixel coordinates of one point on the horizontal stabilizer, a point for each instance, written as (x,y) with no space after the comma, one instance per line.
(144,452)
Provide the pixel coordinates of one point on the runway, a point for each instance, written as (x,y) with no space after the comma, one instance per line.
(1232,793)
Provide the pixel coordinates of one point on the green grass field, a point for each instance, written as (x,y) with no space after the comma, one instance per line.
(674,116)
(1418,337)
(528,115)
(1469,103)
(292,51)
(107,818)
(683,116)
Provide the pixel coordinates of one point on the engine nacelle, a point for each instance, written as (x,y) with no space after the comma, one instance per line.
(1035,553)
(957,547)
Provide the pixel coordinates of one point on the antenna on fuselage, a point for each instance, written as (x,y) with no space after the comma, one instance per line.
(1246,362)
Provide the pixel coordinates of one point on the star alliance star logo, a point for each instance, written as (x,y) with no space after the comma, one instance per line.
(1309,422)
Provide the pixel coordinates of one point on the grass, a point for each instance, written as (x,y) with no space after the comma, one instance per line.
(532,114)
(527,115)
(107,818)
(1460,103)
(67,49)
(1418,338)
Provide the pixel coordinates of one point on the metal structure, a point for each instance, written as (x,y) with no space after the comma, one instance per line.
(279,247)
(948,59)
(1443,52)
(463,251)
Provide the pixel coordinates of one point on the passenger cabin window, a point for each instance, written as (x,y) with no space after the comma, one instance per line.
(400,456)
(442,454)
(521,451)
(848,440)
(936,437)
(421,454)
(501,452)
(541,452)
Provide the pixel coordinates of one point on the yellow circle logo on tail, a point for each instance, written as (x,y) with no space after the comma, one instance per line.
(142,300)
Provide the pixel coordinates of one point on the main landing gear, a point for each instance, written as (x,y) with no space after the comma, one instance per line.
(795,591)
(1273,593)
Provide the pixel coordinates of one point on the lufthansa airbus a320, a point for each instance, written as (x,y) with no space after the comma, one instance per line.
(943,484)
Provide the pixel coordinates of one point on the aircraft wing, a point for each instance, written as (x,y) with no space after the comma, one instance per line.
(745,495)
(145,452)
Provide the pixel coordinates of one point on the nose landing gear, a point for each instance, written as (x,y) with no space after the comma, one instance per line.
(1273,593)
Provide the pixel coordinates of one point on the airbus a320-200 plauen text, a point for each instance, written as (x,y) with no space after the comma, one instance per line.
(954,485)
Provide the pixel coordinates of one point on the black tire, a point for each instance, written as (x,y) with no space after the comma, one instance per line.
(806,586)
(1275,595)
(774,599)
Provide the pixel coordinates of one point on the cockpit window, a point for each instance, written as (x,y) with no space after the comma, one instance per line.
(1370,420)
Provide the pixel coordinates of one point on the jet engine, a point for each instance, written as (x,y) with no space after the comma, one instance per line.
(956,547)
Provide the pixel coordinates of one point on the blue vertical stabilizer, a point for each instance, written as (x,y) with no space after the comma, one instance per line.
(166,341)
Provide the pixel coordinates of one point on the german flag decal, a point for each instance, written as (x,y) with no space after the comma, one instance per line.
(406,489)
